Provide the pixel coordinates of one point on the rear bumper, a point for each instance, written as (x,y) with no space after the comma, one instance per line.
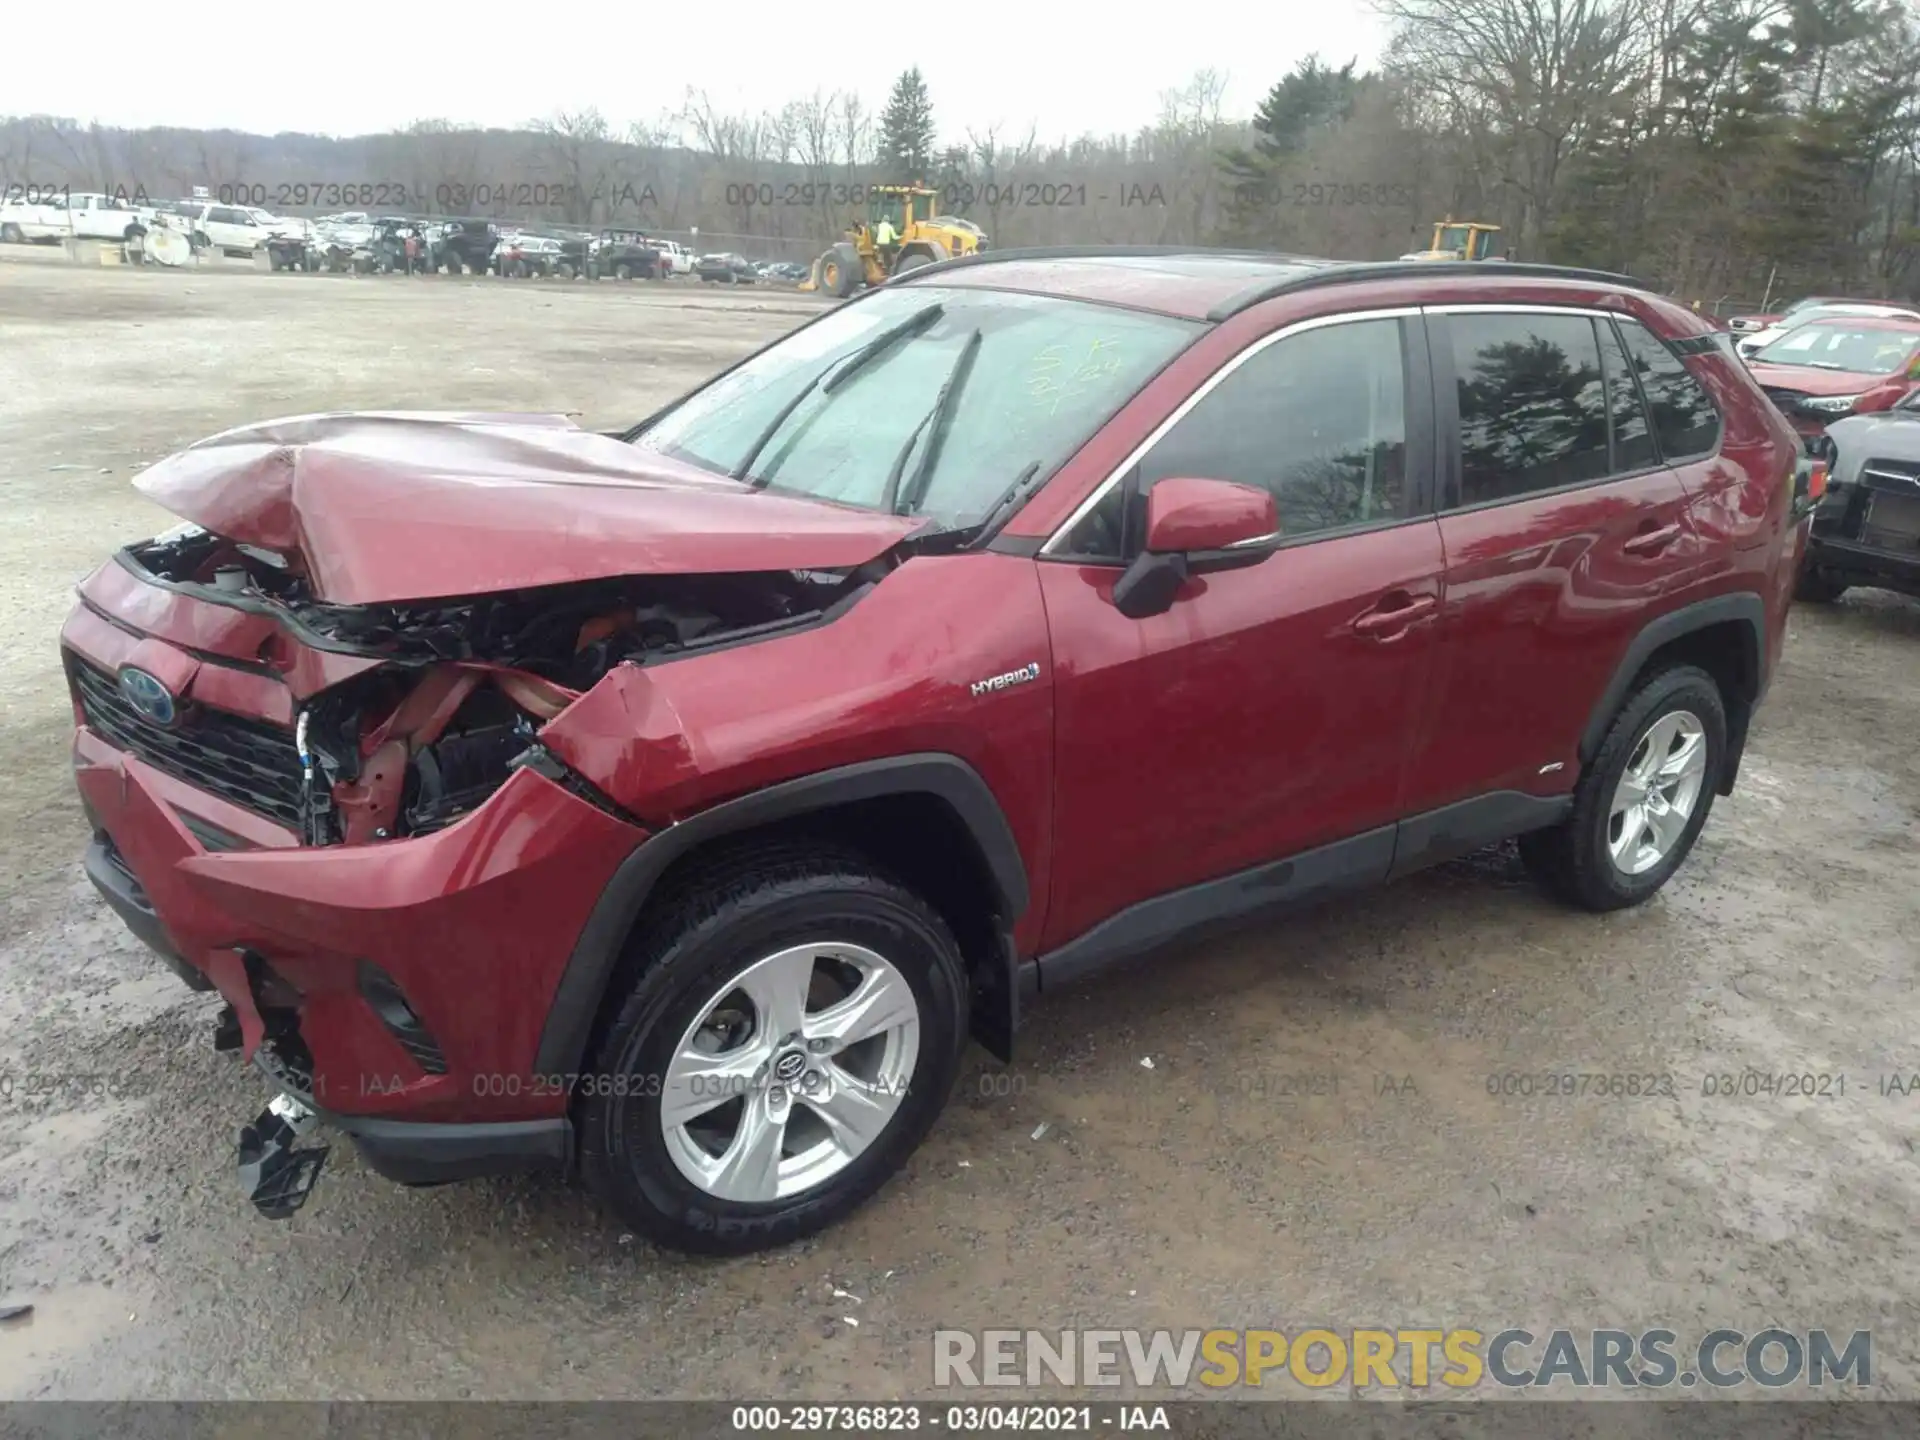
(1859,564)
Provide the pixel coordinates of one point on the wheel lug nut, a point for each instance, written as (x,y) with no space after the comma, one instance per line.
(819,1046)
(777,1096)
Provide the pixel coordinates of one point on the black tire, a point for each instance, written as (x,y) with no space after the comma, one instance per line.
(564,270)
(623,271)
(12,234)
(453,264)
(714,924)
(1571,860)
(917,260)
(1818,589)
(841,271)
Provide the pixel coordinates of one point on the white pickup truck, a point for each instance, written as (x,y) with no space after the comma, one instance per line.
(77,216)
(679,259)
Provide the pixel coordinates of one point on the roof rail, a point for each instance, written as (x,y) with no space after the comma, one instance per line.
(1319,269)
(1108,252)
(1347,272)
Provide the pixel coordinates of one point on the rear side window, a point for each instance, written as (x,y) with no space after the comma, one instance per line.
(1632,440)
(1683,413)
(1533,404)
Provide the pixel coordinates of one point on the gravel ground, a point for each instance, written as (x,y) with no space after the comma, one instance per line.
(1203,1191)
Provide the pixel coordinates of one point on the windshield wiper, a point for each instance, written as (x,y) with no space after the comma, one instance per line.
(1009,498)
(842,370)
(896,501)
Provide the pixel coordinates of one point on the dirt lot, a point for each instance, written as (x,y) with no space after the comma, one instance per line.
(1202,1191)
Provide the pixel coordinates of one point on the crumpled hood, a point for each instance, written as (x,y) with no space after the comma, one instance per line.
(393,506)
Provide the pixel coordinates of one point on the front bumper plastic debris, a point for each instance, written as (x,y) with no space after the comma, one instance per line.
(274,1175)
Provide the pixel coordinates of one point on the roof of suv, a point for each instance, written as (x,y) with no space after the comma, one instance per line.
(1200,284)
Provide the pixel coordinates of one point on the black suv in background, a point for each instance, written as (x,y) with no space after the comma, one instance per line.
(1866,530)
(465,245)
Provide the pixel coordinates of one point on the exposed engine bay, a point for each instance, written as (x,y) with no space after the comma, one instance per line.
(415,743)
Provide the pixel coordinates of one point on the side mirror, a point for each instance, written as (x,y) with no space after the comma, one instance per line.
(1195,527)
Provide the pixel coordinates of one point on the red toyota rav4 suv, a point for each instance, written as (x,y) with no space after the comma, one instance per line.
(674,804)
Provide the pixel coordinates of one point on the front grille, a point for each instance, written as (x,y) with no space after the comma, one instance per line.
(249,762)
(1892,522)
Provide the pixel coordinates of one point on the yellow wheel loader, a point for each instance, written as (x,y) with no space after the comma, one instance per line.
(923,238)
(1459,240)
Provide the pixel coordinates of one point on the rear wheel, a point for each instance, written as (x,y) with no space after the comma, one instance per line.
(1818,589)
(915,261)
(1642,802)
(12,234)
(794,1022)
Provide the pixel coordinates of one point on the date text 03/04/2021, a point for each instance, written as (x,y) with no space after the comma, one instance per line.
(970,1419)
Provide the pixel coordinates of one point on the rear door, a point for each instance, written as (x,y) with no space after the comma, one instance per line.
(1267,713)
(1563,532)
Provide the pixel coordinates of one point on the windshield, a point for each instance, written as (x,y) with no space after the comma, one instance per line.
(1453,237)
(963,394)
(1836,345)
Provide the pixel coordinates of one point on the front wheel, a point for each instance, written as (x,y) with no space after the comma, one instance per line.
(1642,802)
(794,1022)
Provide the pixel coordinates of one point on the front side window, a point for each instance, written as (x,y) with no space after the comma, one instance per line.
(923,400)
(1318,419)
(1533,406)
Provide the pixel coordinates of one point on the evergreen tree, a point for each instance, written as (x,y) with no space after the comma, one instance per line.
(906,131)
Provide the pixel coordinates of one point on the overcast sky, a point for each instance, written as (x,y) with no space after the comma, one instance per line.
(373,67)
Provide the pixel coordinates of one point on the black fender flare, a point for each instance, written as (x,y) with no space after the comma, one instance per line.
(596,954)
(1743,606)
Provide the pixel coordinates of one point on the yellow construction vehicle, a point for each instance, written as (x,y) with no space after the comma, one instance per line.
(921,238)
(1459,240)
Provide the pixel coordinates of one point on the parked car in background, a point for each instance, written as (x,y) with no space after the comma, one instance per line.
(1849,365)
(679,259)
(1866,530)
(1755,341)
(751,760)
(726,268)
(465,245)
(80,215)
(630,255)
(521,255)
(1750,324)
(238,229)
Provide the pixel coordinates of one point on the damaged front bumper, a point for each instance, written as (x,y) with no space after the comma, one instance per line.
(396,990)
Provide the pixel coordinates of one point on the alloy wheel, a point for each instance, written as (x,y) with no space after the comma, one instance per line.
(790,1072)
(1657,792)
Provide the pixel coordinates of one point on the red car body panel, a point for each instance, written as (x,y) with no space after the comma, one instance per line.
(1194,745)
(892,679)
(1271,710)
(414,506)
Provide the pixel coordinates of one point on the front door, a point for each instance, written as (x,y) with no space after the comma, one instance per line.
(1267,713)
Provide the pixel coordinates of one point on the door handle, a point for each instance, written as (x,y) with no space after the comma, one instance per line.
(1382,624)
(1651,542)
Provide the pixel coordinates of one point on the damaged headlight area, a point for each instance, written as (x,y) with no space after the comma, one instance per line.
(414,744)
